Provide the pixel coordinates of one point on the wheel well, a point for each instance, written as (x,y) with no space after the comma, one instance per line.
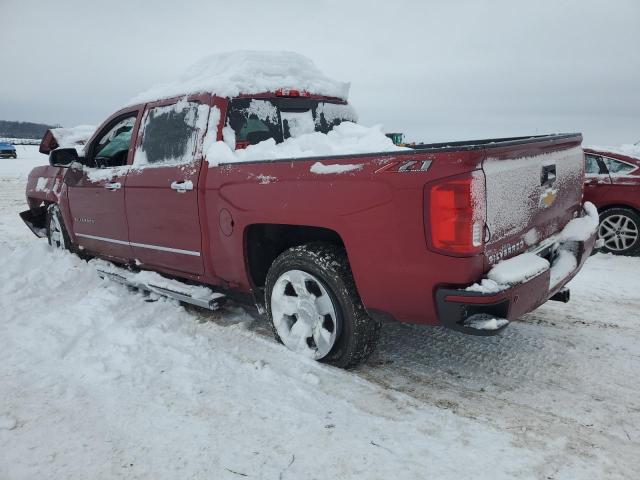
(264,242)
(609,207)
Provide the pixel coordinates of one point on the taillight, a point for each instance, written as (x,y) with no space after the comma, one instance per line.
(455,214)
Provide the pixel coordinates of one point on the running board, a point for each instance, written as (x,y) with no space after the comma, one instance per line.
(200,296)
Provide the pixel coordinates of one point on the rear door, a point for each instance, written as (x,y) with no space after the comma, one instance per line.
(162,187)
(96,193)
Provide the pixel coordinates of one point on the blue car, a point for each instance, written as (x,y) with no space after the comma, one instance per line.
(7,150)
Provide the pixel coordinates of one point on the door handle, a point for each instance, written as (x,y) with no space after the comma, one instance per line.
(182,187)
(113,186)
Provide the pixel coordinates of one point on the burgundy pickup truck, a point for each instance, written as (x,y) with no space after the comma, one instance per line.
(469,235)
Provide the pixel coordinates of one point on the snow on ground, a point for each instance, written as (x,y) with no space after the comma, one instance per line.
(99,383)
(19,168)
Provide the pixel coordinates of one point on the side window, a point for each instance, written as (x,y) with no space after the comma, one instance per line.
(295,124)
(170,133)
(328,115)
(616,167)
(591,165)
(253,121)
(112,147)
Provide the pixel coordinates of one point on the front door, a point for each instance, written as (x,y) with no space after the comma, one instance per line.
(162,187)
(96,192)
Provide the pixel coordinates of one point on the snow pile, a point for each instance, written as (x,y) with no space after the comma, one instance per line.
(164,392)
(486,286)
(322,169)
(630,150)
(148,278)
(71,137)
(247,71)
(581,228)
(485,322)
(518,269)
(565,263)
(522,267)
(345,139)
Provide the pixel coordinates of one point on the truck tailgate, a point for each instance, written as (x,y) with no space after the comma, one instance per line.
(533,188)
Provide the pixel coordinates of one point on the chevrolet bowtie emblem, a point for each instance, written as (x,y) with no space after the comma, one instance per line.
(548,197)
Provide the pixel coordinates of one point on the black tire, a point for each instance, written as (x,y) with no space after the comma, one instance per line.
(358,334)
(53,214)
(632,217)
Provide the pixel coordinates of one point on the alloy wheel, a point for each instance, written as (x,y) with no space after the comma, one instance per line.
(304,314)
(618,232)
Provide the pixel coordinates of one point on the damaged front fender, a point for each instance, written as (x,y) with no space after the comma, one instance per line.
(36,220)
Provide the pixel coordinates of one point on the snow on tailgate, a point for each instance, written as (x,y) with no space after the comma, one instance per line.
(514,193)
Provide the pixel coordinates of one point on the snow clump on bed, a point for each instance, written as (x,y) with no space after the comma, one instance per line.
(345,139)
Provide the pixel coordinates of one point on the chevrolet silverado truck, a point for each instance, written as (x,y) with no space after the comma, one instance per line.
(468,235)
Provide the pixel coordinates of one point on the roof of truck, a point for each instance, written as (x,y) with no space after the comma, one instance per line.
(248,72)
(7,145)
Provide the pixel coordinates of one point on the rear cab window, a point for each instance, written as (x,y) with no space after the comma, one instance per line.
(254,120)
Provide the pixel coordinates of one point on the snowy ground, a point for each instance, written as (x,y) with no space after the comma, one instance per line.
(97,383)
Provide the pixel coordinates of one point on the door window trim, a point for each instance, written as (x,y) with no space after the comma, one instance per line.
(90,151)
(635,167)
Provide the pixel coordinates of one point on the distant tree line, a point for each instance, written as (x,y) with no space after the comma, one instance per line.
(23,129)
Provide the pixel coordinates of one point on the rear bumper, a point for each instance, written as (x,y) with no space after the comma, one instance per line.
(455,305)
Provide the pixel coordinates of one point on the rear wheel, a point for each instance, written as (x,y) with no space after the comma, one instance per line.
(314,307)
(56,231)
(620,230)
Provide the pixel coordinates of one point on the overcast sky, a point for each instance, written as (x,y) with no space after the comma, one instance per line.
(436,70)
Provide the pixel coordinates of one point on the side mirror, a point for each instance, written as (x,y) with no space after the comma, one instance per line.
(63,157)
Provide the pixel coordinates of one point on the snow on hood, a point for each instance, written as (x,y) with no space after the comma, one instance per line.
(630,150)
(70,137)
(247,71)
(345,139)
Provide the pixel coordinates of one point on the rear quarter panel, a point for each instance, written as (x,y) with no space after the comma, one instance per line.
(377,212)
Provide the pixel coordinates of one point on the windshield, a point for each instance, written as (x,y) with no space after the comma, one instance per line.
(255,120)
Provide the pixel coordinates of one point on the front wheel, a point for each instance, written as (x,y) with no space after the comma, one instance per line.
(56,232)
(620,230)
(314,306)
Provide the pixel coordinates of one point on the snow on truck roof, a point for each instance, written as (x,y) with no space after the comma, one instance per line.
(246,72)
